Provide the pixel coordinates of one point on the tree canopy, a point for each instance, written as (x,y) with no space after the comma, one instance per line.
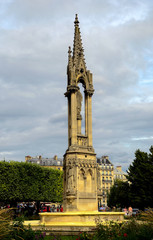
(138,190)
(21,181)
(140,176)
(119,194)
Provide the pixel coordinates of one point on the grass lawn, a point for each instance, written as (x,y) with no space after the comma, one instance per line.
(61,237)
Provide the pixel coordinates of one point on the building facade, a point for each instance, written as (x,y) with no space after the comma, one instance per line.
(107,177)
(54,163)
(119,174)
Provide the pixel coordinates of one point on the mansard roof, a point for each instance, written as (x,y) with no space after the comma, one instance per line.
(104,161)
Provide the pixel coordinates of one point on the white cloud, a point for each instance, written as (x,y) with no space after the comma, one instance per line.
(142,138)
(34,39)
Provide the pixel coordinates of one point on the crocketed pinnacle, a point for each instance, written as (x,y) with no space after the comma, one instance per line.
(78,51)
(69,58)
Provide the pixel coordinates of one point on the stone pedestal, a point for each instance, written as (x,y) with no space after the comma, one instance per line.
(80,182)
(72,223)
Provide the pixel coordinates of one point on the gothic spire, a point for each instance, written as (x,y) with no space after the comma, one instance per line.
(78,51)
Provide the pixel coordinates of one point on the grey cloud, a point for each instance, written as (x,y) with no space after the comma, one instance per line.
(117,37)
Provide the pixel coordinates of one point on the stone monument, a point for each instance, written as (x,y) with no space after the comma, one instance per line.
(82,180)
(81,185)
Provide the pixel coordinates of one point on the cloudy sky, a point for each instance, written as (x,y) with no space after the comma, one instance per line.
(118,41)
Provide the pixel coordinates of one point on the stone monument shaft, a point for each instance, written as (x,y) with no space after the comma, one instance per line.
(82,184)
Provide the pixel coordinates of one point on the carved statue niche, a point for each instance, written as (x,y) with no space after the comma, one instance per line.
(70,180)
(82,179)
(79,104)
(89,180)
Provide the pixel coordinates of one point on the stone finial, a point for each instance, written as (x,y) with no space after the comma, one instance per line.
(69,51)
(76,22)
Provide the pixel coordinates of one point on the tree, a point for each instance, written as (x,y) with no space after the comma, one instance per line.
(119,194)
(29,182)
(140,176)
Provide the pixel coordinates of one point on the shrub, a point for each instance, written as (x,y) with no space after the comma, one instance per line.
(147,215)
(108,230)
(21,232)
(130,230)
(15,229)
(5,218)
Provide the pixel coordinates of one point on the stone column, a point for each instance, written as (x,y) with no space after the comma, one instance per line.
(79,126)
(73,119)
(69,121)
(86,114)
(89,118)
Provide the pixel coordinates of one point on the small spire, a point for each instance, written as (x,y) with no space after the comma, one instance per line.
(69,58)
(76,22)
(69,51)
(78,51)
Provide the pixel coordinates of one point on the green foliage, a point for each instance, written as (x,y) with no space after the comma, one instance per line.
(29,182)
(138,193)
(54,237)
(108,230)
(140,176)
(130,230)
(85,236)
(15,230)
(119,194)
(5,218)
(21,232)
(147,215)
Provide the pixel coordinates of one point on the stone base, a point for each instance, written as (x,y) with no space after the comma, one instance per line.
(71,223)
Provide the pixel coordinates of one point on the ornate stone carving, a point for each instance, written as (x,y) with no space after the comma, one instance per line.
(70,180)
(82,141)
(85,163)
(70,200)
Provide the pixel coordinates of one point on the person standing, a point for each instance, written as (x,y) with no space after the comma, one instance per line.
(125,211)
(130,211)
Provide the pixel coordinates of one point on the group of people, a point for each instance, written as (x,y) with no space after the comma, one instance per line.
(50,208)
(104,209)
(128,211)
(4,206)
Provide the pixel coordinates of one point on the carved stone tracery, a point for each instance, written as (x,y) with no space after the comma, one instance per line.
(73,162)
(82,141)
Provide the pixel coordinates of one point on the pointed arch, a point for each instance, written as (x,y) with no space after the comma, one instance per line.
(89,180)
(82,178)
